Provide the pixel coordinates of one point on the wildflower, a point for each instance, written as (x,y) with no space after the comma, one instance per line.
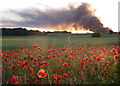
(115,57)
(13,67)
(61,70)
(40,56)
(25,58)
(31,70)
(41,73)
(63,49)
(21,59)
(64,75)
(82,76)
(35,46)
(5,81)
(31,58)
(14,79)
(86,58)
(28,80)
(91,52)
(65,64)
(22,47)
(48,57)
(105,72)
(80,48)
(26,51)
(56,77)
(54,55)
(24,64)
(3,70)
(112,50)
(41,64)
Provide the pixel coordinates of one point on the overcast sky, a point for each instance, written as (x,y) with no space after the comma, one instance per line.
(106,10)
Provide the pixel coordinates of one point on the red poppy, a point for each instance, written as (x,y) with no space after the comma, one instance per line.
(31,70)
(82,76)
(41,64)
(63,49)
(13,67)
(3,70)
(22,47)
(56,77)
(64,75)
(80,48)
(28,80)
(40,56)
(35,46)
(105,73)
(61,70)
(14,79)
(115,57)
(6,81)
(26,51)
(25,63)
(41,73)
(48,57)
(31,58)
(65,64)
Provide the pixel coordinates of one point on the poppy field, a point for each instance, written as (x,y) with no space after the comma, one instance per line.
(60,60)
(82,65)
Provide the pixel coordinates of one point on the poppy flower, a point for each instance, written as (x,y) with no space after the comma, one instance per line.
(65,64)
(115,57)
(80,48)
(64,75)
(22,47)
(13,67)
(82,76)
(47,57)
(56,77)
(40,56)
(28,80)
(3,70)
(14,79)
(31,70)
(105,73)
(53,76)
(35,46)
(41,64)
(31,58)
(6,81)
(41,73)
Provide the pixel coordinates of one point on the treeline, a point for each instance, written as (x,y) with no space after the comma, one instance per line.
(25,32)
(20,32)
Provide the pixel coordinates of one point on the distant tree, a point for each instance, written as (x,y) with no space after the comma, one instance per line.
(20,32)
(110,31)
(96,35)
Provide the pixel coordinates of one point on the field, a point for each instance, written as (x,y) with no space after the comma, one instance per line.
(71,59)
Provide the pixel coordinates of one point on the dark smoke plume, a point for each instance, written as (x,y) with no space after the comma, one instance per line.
(82,16)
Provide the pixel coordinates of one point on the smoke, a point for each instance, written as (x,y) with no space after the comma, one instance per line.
(81,17)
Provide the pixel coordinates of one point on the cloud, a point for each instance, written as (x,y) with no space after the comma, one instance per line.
(82,16)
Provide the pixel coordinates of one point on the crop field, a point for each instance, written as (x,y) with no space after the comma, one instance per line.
(72,59)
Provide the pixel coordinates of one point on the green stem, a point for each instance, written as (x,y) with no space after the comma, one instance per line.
(48,77)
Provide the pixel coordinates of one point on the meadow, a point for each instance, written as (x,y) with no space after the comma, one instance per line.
(71,59)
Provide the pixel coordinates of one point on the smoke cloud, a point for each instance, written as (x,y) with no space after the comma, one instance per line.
(81,17)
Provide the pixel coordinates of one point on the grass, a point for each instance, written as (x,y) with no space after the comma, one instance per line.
(60,60)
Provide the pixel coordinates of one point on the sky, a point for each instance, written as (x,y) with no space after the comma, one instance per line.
(106,10)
